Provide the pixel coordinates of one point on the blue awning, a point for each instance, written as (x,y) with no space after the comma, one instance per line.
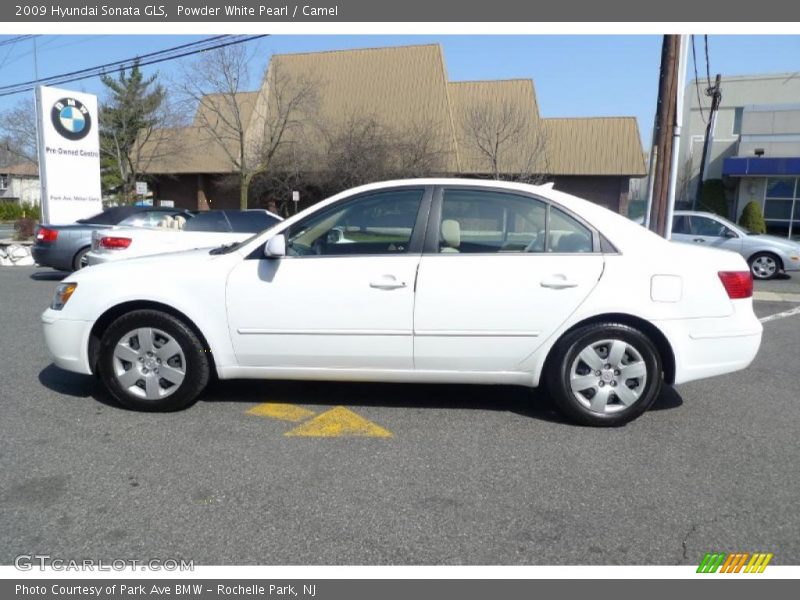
(749,166)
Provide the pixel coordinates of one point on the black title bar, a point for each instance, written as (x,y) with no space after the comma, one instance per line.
(175,11)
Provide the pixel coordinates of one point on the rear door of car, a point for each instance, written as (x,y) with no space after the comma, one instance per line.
(500,272)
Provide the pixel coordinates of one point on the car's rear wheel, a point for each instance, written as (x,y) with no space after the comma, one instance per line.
(79,260)
(764,265)
(604,374)
(149,360)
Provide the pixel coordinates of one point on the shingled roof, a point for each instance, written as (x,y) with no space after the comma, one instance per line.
(407,86)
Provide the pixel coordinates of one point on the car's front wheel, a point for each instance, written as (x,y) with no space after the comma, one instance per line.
(150,360)
(604,374)
(764,265)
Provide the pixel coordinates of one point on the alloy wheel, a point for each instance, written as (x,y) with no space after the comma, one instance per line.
(149,363)
(608,376)
(764,267)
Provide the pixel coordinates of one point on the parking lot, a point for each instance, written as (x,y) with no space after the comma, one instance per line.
(324,473)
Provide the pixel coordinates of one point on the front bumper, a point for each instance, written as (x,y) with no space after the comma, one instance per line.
(67,341)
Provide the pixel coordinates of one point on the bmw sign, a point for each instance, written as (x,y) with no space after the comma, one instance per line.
(69,154)
(71,119)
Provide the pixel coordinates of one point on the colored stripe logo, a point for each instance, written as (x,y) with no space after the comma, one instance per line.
(737,562)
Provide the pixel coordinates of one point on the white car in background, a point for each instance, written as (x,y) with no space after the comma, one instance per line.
(204,230)
(439,281)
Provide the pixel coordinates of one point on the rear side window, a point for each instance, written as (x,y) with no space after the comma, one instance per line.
(482,221)
(250,221)
(567,235)
(488,221)
(212,221)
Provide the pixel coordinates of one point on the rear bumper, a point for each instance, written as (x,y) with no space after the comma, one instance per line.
(51,256)
(710,347)
(67,341)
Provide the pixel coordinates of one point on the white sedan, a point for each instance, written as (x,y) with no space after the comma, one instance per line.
(206,229)
(441,280)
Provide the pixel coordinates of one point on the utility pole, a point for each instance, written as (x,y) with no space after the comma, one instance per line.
(716,97)
(663,134)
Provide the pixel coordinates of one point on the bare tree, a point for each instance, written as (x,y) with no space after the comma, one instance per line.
(507,140)
(251,130)
(18,133)
(362,149)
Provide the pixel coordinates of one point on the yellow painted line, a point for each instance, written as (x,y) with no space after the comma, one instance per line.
(339,422)
(282,412)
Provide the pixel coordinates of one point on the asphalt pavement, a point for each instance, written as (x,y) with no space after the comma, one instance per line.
(466,474)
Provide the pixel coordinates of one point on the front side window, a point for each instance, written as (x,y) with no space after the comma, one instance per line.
(486,221)
(379,223)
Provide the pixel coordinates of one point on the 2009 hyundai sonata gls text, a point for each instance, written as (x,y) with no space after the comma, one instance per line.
(433,280)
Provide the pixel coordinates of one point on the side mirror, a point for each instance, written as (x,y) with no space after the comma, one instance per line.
(729,233)
(275,247)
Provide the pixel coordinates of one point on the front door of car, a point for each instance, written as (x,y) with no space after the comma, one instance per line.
(707,231)
(343,296)
(500,273)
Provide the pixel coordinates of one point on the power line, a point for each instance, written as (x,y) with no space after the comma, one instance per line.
(14,40)
(55,80)
(697,83)
(101,69)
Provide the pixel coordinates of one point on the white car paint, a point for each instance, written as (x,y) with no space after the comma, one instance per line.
(469,318)
(146,242)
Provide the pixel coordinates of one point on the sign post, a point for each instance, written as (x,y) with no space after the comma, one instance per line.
(69,155)
(296,200)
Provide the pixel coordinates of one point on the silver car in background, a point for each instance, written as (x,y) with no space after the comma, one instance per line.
(767,255)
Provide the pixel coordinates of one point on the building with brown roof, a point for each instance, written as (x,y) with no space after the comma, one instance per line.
(407,88)
(20,183)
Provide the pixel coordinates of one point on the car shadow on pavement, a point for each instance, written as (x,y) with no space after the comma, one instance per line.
(48,275)
(520,400)
(67,383)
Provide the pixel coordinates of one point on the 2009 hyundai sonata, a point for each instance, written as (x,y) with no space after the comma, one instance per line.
(433,280)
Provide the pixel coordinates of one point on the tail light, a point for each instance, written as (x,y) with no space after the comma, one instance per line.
(47,235)
(115,243)
(738,284)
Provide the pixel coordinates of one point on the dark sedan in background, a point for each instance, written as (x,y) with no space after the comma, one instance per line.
(64,247)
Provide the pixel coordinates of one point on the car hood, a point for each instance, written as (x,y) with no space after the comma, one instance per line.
(170,265)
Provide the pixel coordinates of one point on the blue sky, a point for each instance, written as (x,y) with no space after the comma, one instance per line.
(574,75)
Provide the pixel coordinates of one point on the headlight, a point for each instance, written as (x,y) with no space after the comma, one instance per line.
(63,294)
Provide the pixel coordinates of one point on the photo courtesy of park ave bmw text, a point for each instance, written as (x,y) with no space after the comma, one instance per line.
(415,300)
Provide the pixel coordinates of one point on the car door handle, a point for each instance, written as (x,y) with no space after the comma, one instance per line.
(387,282)
(558,282)
(699,240)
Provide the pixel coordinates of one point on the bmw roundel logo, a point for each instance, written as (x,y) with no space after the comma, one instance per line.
(71,119)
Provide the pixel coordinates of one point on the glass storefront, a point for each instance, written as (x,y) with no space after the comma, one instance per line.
(782,206)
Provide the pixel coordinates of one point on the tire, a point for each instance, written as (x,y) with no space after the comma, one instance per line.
(79,260)
(166,373)
(623,347)
(764,265)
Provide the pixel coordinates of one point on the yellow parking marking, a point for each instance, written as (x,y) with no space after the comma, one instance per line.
(282,412)
(339,422)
